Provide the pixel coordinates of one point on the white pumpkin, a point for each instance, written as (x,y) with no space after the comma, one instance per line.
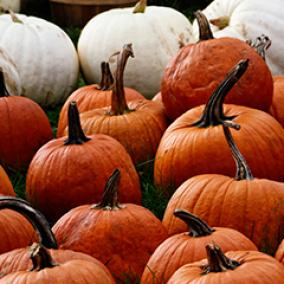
(13,5)
(45,57)
(156,35)
(248,19)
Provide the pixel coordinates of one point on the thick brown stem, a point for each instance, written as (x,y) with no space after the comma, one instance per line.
(140,6)
(118,101)
(197,227)
(107,79)
(109,200)
(261,44)
(3,89)
(205,31)
(243,171)
(217,261)
(38,221)
(213,113)
(75,131)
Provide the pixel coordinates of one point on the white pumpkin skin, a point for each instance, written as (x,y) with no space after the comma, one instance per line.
(249,19)
(45,57)
(156,36)
(13,5)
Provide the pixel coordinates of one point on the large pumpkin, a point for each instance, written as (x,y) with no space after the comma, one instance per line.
(121,235)
(194,143)
(156,33)
(47,61)
(197,69)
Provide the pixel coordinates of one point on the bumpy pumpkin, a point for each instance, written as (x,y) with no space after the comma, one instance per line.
(194,143)
(156,33)
(197,69)
(279,255)
(121,235)
(47,60)
(78,168)
(233,267)
(188,247)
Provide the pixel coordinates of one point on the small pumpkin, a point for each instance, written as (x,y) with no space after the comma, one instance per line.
(121,235)
(279,255)
(233,267)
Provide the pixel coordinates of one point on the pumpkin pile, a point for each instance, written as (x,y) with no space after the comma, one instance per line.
(165,164)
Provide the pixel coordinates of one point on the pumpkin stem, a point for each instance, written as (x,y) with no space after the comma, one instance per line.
(40,257)
(118,101)
(213,113)
(109,200)
(217,261)
(3,90)
(140,7)
(14,17)
(205,31)
(243,171)
(197,227)
(38,221)
(107,79)
(76,134)
(221,22)
(261,44)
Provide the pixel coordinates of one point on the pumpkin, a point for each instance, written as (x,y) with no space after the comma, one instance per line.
(233,267)
(156,33)
(93,96)
(6,187)
(247,20)
(188,247)
(24,129)
(47,61)
(253,206)
(121,235)
(20,260)
(13,5)
(279,255)
(197,69)
(194,143)
(77,168)
(276,109)
(138,124)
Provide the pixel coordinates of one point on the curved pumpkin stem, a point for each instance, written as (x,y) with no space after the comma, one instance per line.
(118,101)
(217,261)
(37,220)
(76,134)
(261,44)
(3,90)
(205,31)
(243,171)
(14,17)
(197,227)
(140,7)
(213,112)
(107,79)
(109,200)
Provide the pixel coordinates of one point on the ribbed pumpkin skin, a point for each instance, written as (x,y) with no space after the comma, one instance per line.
(24,129)
(280,252)
(6,187)
(277,107)
(181,249)
(122,239)
(255,268)
(15,231)
(186,151)
(71,272)
(253,207)
(139,131)
(19,259)
(88,98)
(77,174)
(197,69)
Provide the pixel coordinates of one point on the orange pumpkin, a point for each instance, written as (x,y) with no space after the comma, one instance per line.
(122,236)
(233,267)
(6,187)
(188,247)
(197,69)
(279,255)
(71,171)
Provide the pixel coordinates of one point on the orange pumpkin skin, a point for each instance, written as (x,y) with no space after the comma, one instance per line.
(253,207)
(186,151)
(255,268)
(277,107)
(6,187)
(279,255)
